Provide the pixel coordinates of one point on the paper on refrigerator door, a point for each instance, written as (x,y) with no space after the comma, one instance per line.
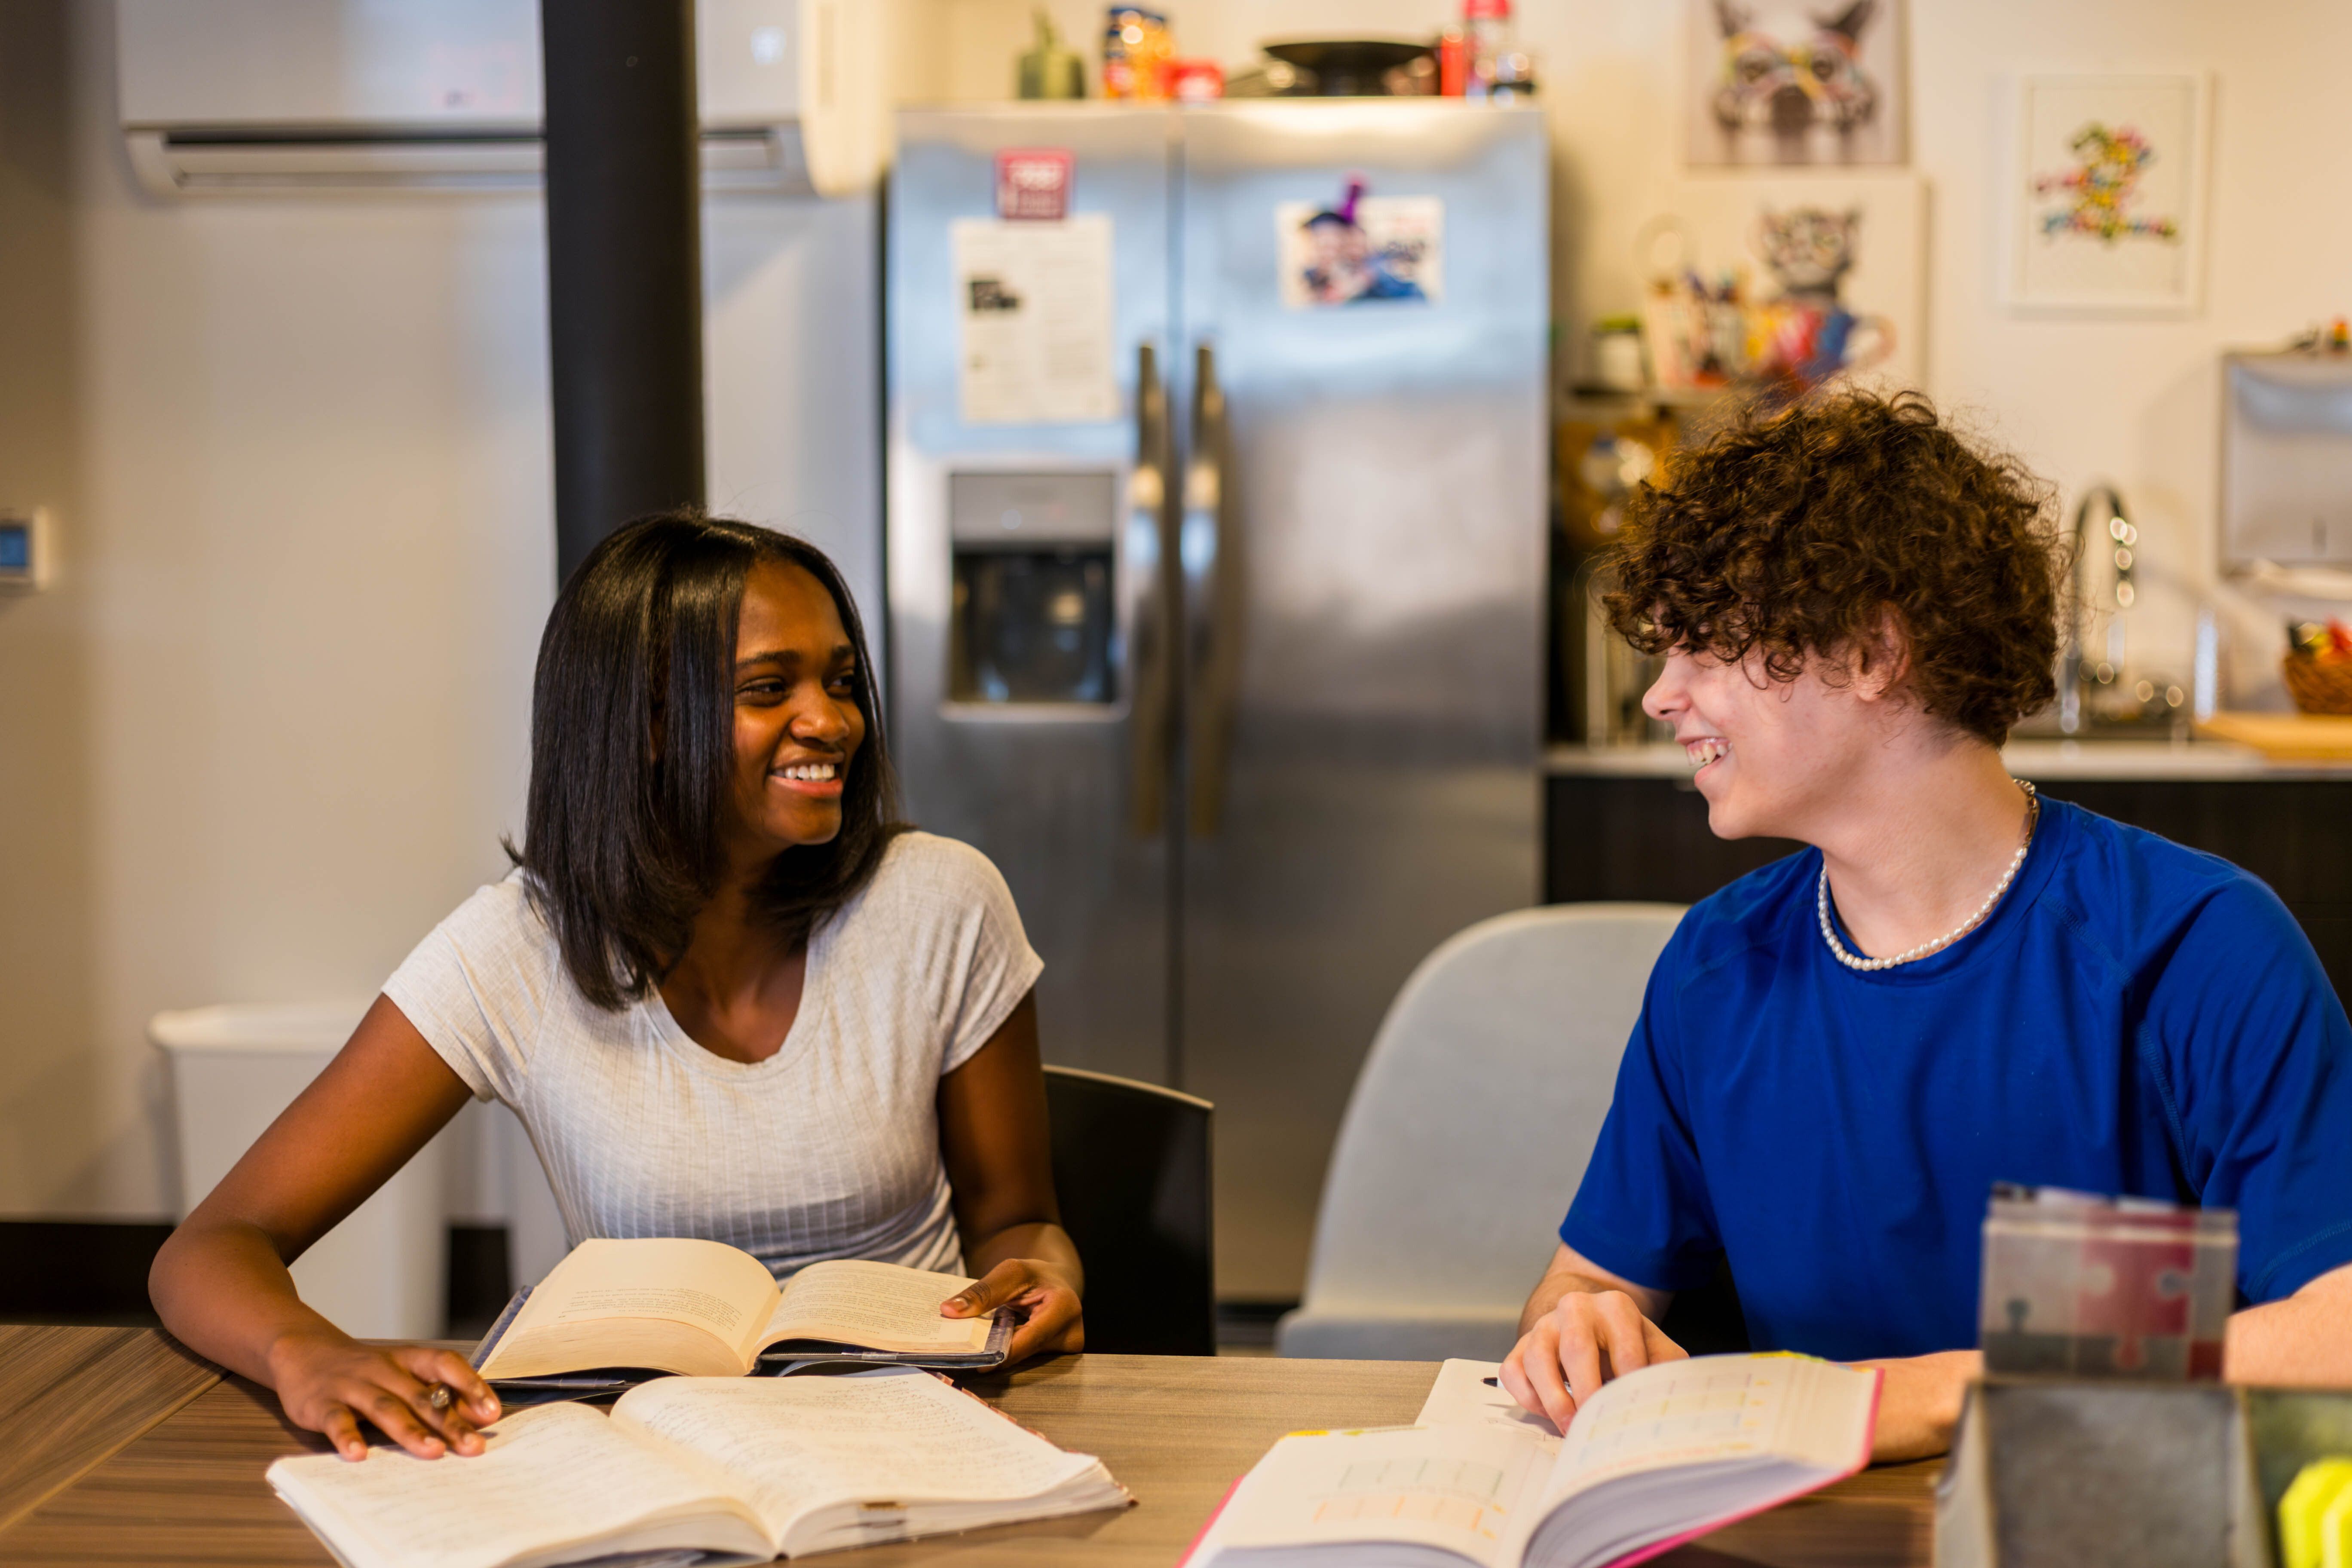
(1034,305)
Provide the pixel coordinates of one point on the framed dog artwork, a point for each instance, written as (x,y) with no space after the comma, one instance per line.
(1788,84)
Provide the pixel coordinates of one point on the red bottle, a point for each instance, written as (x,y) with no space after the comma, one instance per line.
(1452,62)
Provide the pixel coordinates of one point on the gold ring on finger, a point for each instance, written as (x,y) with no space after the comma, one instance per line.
(438,1396)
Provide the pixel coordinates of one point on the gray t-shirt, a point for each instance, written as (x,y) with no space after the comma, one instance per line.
(829,1148)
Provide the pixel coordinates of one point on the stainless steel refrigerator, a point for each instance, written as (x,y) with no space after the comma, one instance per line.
(1215,553)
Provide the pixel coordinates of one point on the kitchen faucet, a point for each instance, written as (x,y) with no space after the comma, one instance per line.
(2125,538)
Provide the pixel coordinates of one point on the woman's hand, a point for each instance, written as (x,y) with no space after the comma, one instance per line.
(220,1281)
(1040,1296)
(329,1383)
(1587,1338)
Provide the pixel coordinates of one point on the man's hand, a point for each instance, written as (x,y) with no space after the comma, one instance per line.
(2304,1339)
(1920,1402)
(1583,1326)
(1582,1342)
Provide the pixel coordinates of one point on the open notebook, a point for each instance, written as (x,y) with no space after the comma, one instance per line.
(1654,1458)
(746,1469)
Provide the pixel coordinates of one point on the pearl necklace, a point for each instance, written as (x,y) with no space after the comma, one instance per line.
(1854,960)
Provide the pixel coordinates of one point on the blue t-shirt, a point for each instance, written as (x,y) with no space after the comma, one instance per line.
(2135,1018)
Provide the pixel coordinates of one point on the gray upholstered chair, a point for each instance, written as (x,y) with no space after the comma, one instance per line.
(1468,1130)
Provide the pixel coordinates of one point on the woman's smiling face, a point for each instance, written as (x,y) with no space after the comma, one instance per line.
(797,723)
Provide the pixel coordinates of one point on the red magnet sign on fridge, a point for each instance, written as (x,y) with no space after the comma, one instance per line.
(1034,183)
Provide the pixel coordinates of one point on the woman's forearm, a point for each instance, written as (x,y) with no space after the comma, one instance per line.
(1039,1239)
(220,1283)
(223,1292)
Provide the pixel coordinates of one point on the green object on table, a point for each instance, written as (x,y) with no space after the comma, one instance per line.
(2315,1516)
(1050,71)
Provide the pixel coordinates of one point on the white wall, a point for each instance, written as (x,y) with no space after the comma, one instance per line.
(272,724)
(47,903)
(2136,401)
(793,364)
(2140,400)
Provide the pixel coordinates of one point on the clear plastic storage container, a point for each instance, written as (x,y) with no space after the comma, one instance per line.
(2081,1286)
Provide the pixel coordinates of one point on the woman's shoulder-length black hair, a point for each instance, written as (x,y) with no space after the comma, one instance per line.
(633,753)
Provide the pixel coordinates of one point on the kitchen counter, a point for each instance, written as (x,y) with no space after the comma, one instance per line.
(2036,759)
(1626,822)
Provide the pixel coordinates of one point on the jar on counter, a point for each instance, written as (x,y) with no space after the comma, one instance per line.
(1137,48)
(1617,353)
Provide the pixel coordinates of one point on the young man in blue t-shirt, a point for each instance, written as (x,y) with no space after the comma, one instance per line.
(1957,985)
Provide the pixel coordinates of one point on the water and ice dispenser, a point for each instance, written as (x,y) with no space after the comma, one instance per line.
(1033,617)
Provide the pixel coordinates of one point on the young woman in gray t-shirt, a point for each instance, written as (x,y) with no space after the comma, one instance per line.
(727,993)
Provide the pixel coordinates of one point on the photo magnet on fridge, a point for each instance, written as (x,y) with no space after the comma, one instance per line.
(1360,250)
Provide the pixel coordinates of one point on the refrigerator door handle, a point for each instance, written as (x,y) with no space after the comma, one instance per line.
(1153,617)
(1212,553)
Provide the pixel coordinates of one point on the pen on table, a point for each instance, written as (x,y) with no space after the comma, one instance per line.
(1492,1382)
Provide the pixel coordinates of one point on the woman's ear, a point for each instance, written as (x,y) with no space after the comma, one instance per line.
(1883,660)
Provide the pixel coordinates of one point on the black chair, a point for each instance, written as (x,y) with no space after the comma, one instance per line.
(1131,1168)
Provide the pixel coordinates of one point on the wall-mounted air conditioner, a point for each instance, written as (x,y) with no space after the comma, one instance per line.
(291,95)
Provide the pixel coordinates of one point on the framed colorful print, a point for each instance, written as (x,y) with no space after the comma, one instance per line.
(1788,281)
(2106,206)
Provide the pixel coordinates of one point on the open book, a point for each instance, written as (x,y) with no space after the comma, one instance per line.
(707,1309)
(748,1470)
(1655,1458)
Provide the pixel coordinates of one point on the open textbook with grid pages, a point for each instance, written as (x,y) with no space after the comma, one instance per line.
(705,1470)
(1655,1458)
(703,1308)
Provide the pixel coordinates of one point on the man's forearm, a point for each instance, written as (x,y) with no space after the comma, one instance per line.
(1573,1274)
(1919,1404)
(1552,1287)
(2305,1339)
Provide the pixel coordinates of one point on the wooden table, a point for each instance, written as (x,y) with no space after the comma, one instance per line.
(118,1447)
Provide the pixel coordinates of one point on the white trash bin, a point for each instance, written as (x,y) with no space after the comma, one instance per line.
(381,1274)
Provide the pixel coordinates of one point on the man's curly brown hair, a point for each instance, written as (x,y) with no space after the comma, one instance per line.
(1791,534)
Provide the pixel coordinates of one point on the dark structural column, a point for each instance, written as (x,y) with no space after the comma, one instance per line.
(623,263)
